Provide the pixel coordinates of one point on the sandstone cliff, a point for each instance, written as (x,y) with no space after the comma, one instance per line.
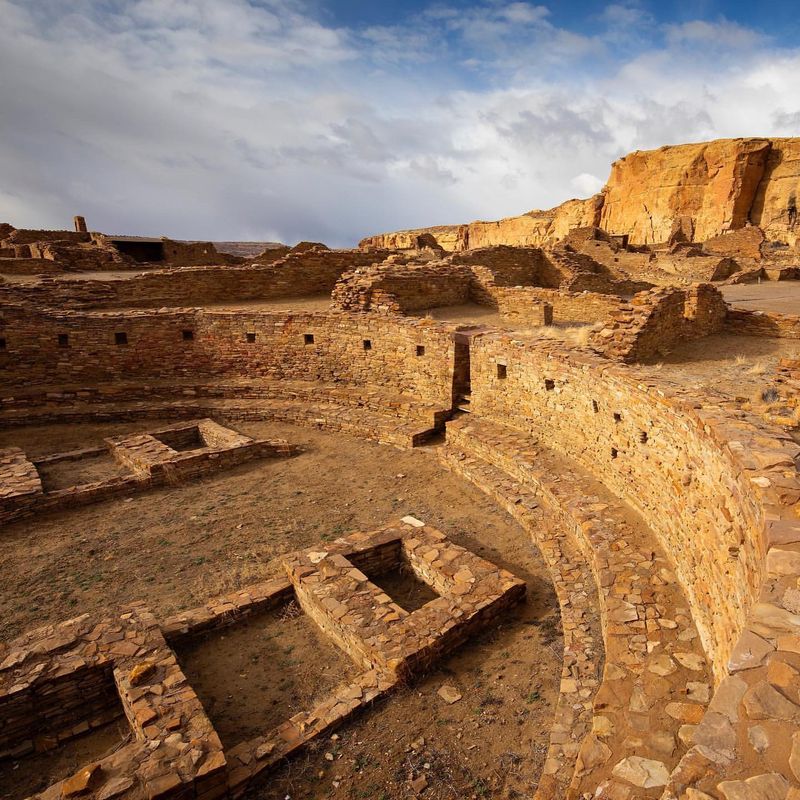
(702,190)
(534,229)
(712,184)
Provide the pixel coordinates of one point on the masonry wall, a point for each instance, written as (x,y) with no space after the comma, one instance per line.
(407,356)
(399,288)
(513,266)
(310,272)
(654,451)
(657,320)
(763,323)
(586,307)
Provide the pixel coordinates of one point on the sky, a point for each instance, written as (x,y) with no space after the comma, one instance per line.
(329,120)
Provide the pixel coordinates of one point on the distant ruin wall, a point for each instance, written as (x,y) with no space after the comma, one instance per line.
(763,323)
(656,321)
(296,274)
(653,450)
(402,288)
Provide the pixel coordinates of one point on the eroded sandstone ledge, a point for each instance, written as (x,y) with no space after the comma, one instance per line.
(703,189)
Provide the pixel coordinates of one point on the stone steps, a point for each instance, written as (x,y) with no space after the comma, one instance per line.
(656,683)
(577,597)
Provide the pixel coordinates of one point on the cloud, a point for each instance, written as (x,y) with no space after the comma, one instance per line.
(586,185)
(721,34)
(200,119)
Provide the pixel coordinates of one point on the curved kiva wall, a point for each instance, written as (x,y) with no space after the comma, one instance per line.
(716,487)
(407,357)
(686,466)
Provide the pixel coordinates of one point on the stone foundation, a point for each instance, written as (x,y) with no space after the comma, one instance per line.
(60,680)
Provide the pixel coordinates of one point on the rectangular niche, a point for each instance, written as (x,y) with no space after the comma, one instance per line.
(75,719)
(255,674)
(189,438)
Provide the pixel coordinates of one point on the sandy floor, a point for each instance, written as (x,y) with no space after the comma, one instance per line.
(739,366)
(175,547)
(20,779)
(780,296)
(257,674)
(467,312)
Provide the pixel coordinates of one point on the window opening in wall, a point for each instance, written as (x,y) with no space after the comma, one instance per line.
(617,417)
(120,337)
(643,437)
(308,338)
(595,407)
(63,340)
(367,344)
(420,349)
(188,336)
(614,452)
(549,384)
(502,371)
(251,337)
(2,344)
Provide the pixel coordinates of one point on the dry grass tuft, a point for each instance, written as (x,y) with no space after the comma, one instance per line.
(577,335)
(757,369)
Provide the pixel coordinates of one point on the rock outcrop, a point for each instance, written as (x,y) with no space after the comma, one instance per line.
(688,192)
(713,184)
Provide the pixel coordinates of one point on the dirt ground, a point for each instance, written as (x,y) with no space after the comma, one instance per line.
(21,779)
(254,675)
(782,297)
(174,547)
(739,366)
(63,474)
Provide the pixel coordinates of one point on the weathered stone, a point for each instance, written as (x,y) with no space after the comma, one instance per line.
(643,772)
(141,673)
(762,701)
(449,694)
(769,786)
(758,737)
(750,652)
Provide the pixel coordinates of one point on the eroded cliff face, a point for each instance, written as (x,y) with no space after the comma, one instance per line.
(703,189)
(537,228)
(712,184)
(775,205)
(534,229)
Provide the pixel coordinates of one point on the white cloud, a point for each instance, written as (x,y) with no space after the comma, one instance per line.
(198,119)
(721,34)
(586,184)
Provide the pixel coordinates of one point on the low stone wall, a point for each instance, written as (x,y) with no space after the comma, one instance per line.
(762,323)
(583,307)
(655,321)
(150,462)
(298,273)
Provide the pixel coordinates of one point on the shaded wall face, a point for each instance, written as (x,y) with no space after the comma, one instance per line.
(403,356)
(141,251)
(654,454)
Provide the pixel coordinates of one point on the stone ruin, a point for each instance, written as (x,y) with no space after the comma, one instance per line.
(677,502)
(143,461)
(60,681)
